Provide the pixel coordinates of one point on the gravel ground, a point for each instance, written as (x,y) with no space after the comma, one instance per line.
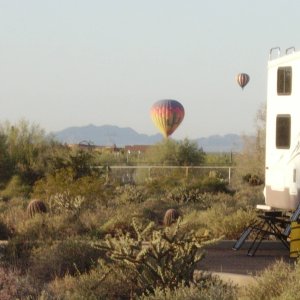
(221,258)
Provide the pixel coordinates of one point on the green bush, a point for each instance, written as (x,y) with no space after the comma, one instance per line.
(15,188)
(63,184)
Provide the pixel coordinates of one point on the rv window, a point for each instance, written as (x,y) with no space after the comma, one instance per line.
(283,131)
(284,81)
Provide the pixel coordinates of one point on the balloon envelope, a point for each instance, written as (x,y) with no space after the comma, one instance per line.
(242,79)
(167,115)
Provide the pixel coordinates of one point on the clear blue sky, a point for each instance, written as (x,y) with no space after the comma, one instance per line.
(72,62)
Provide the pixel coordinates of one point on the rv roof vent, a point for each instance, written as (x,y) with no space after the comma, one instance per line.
(272,52)
(290,50)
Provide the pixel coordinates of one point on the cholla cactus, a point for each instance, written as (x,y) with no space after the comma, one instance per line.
(171,216)
(62,202)
(159,258)
(131,194)
(36,206)
(184,195)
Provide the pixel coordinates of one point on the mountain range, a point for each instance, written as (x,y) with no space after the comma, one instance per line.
(107,135)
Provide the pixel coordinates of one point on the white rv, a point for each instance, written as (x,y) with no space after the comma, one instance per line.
(282,175)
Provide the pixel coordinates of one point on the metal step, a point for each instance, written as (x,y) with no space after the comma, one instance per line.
(242,238)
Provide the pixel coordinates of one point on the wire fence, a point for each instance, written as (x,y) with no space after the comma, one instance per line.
(130,174)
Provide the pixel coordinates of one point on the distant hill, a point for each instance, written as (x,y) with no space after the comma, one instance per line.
(108,135)
(217,143)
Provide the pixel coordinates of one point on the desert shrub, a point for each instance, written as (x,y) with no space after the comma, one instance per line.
(253,179)
(184,194)
(33,229)
(232,225)
(57,182)
(161,185)
(219,220)
(210,184)
(292,284)
(16,286)
(101,282)
(166,178)
(63,182)
(47,227)
(120,221)
(99,221)
(27,150)
(249,196)
(201,193)
(222,220)
(15,188)
(174,153)
(108,283)
(210,288)
(158,258)
(274,283)
(13,214)
(17,252)
(129,193)
(69,256)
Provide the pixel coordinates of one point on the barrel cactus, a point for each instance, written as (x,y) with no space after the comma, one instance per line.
(171,216)
(36,206)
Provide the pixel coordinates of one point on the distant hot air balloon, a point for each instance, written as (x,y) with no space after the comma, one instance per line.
(242,79)
(167,115)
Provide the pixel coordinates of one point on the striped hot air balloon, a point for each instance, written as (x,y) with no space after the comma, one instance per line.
(242,79)
(167,115)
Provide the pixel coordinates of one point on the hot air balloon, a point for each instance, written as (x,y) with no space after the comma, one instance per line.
(167,115)
(242,79)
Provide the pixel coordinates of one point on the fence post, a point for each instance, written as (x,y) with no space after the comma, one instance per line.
(229,174)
